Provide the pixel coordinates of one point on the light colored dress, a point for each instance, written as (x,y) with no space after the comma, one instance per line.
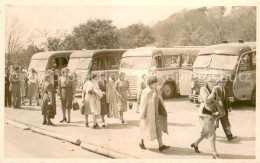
(112,99)
(33,84)
(121,89)
(23,84)
(94,97)
(86,87)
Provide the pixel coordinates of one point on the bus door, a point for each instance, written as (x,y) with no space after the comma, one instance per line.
(245,77)
(185,73)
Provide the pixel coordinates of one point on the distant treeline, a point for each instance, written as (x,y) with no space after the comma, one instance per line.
(202,26)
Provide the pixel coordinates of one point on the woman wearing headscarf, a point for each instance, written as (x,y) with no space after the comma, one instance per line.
(66,89)
(112,98)
(33,87)
(153,116)
(104,106)
(122,88)
(207,119)
(48,101)
(94,96)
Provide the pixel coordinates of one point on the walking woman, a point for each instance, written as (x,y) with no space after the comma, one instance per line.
(104,106)
(94,96)
(66,89)
(112,98)
(153,116)
(33,84)
(207,120)
(122,88)
(85,99)
(48,101)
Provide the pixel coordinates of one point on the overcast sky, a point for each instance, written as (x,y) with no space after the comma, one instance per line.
(53,18)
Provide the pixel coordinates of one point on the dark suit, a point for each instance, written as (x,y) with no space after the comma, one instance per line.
(8,97)
(15,89)
(223,94)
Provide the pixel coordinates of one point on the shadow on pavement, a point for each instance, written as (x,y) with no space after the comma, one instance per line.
(235,141)
(66,125)
(180,124)
(32,108)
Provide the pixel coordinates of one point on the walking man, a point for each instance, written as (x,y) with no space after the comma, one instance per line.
(15,88)
(223,95)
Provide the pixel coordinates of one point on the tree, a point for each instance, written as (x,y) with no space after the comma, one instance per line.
(96,34)
(15,39)
(135,35)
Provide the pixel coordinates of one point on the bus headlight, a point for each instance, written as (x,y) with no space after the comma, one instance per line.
(192,84)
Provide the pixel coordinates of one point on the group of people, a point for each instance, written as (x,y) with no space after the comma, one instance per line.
(101,98)
(20,85)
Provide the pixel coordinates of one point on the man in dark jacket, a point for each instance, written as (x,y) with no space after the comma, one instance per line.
(8,98)
(223,95)
(15,88)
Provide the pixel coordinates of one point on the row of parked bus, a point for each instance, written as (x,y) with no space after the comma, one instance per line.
(182,68)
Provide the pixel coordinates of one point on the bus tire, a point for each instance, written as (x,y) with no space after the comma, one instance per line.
(168,90)
(253,99)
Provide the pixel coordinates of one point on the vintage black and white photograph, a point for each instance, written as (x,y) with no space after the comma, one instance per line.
(130,81)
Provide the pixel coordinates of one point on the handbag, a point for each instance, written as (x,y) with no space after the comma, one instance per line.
(75,105)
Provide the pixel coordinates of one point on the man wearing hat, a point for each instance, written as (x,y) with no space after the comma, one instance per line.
(223,95)
(15,88)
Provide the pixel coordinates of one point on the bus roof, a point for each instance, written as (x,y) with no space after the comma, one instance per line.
(227,48)
(182,50)
(49,54)
(95,53)
(142,52)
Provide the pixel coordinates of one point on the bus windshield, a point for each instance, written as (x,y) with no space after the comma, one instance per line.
(79,63)
(136,62)
(202,61)
(223,61)
(38,65)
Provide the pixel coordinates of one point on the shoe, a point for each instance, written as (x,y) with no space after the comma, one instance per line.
(195,148)
(141,145)
(63,120)
(231,138)
(103,125)
(95,126)
(44,122)
(86,125)
(216,156)
(50,124)
(122,121)
(164,147)
(137,111)
(68,121)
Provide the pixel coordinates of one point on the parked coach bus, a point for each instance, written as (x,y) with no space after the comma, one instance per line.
(44,61)
(172,64)
(236,62)
(96,61)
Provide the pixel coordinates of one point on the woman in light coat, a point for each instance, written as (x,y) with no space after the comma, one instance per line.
(85,99)
(153,116)
(33,87)
(112,98)
(207,120)
(94,96)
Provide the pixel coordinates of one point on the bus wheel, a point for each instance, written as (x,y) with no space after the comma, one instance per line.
(168,90)
(253,99)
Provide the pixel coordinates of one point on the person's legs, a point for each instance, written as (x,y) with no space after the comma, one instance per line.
(37,101)
(121,113)
(49,121)
(86,118)
(13,99)
(226,126)
(44,120)
(9,98)
(6,98)
(18,102)
(69,111)
(159,139)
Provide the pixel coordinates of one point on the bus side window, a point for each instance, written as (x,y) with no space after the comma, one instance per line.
(186,61)
(254,61)
(54,63)
(98,63)
(65,61)
(112,62)
(244,64)
(171,61)
(157,61)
